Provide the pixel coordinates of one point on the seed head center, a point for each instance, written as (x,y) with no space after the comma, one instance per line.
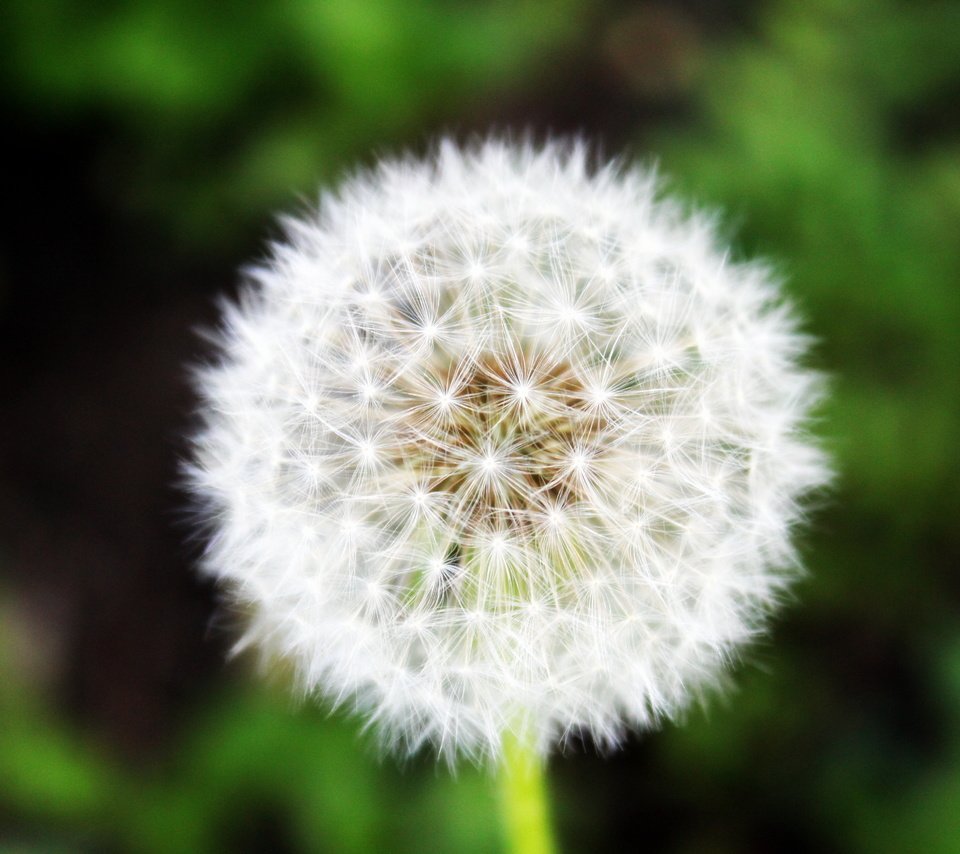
(504,438)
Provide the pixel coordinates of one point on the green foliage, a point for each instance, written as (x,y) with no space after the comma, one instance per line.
(248,763)
(224,111)
(805,139)
(830,138)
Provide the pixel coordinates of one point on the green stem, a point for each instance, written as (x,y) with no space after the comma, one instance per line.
(524,808)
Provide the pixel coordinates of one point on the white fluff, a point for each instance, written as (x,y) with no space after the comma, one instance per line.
(500,442)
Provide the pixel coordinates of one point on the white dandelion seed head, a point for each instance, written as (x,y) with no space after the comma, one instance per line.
(499,442)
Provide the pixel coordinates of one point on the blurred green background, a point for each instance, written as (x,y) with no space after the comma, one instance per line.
(150,143)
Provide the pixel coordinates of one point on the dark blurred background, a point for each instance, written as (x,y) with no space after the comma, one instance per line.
(149,146)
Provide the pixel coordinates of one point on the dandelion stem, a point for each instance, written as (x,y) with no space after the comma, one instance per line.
(524,807)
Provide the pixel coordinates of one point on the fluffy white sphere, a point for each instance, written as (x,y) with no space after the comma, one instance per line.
(498,442)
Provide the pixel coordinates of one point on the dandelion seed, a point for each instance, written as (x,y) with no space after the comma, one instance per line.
(498,443)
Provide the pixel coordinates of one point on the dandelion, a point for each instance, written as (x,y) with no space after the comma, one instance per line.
(504,450)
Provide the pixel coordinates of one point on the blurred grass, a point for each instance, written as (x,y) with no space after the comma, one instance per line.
(247,759)
(225,111)
(832,139)
(829,134)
